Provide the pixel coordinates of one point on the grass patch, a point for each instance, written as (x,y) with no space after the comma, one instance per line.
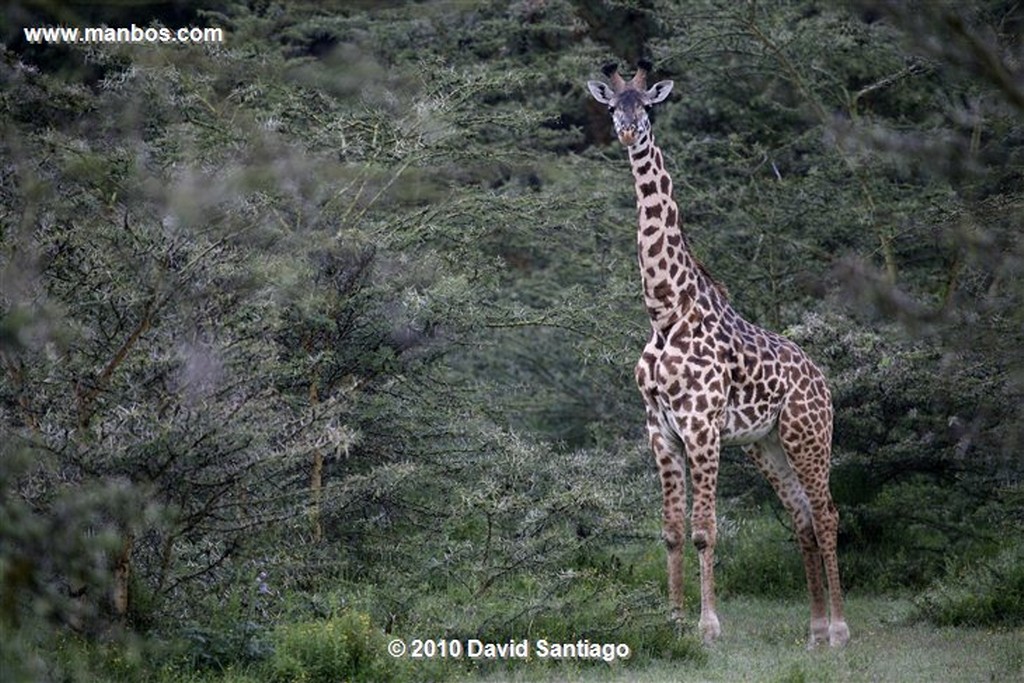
(763,640)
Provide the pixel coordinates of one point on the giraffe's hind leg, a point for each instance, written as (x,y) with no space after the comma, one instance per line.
(805,432)
(771,460)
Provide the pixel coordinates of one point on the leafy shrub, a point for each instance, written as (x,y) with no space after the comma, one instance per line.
(612,605)
(984,593)
(346,647)
(236,642)
(758,556)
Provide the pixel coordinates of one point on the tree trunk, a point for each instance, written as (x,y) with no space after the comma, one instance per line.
(122,577)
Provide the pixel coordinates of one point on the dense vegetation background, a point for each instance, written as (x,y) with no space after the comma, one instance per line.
(334,322)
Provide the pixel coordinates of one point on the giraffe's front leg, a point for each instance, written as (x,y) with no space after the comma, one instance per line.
(702,444)
(668,456)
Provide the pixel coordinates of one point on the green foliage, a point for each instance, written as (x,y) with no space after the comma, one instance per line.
(988,592)
(346,647)
(70,539)
(226,643)
(759,556)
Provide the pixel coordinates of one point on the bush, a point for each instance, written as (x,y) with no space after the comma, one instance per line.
(984,593)
(232,643)
(758,556)
(607,607)
(346,647)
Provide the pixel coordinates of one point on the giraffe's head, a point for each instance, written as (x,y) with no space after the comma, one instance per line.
(628,101)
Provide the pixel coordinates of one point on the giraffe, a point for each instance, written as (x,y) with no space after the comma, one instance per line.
(709,378)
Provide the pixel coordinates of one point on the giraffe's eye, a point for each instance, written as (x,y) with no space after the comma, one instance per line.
(611,108)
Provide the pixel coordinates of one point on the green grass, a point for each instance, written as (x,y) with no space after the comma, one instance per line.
(764,640)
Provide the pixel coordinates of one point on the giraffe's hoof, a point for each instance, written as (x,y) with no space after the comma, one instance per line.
(819,633)
(710,629)
(838,634)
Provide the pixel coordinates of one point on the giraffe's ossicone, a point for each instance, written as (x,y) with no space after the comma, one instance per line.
(709,378)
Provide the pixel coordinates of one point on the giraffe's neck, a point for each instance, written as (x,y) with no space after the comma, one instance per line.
(673,280)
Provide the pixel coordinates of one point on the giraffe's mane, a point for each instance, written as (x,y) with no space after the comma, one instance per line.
(722,289)
(703,270)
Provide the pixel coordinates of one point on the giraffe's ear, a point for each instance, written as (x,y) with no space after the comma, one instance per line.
(601,92)
(658,92)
